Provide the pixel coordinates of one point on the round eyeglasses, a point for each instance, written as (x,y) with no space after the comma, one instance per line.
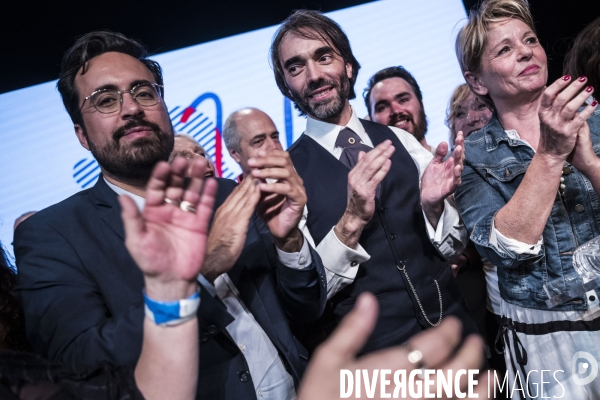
(108,101)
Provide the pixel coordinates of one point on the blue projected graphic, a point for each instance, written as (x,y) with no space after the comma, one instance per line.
(204,126)
(289,123)
(86,172)
(43,163)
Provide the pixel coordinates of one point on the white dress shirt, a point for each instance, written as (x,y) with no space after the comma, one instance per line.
(341,262)
(269,375)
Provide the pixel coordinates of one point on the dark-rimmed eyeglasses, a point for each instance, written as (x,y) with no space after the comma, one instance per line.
(108,101)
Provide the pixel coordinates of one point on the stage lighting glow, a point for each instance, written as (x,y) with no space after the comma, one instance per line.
(42,162)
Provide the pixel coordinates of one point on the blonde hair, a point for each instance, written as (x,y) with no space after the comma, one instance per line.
(458,96)
(472,38)
(180,135)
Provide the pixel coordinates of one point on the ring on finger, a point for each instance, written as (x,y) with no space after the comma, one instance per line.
(173,202)
(414,356)
(187,207)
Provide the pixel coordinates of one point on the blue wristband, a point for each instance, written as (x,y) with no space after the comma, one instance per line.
(169,313)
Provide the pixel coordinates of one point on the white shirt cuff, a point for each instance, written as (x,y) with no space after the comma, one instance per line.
(436,235)
(340,259)
(298,260)
(450,219)
(450,236)
(513,247)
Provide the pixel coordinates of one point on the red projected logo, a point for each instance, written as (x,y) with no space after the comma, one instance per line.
(202,120)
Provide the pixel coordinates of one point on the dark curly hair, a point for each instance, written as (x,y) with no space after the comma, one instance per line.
(312,24)
(391,72)
(92,45)
(584,57)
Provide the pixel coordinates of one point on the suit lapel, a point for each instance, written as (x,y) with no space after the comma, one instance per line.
(251,271)
(105,201)
(113,218)
(266,293)
(212,311)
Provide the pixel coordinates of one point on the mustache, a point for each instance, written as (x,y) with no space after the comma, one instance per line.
(396,117)
(120,132)
(318,84)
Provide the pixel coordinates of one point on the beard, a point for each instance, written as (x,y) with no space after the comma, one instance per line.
(419,127)
(133,162)
(326,109)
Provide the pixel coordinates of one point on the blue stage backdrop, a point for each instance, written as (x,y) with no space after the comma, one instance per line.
(42,162)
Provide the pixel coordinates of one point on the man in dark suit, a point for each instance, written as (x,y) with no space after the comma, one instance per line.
(373,188)
(81,291)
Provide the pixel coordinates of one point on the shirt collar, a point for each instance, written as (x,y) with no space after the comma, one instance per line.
(512,134)
(326,134)
(139,200)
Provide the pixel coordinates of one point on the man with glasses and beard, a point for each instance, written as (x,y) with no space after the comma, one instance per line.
(393,97)
(81,291)
(74,271)
(378,202)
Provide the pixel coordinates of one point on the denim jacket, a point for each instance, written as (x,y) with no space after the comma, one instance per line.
(494,167)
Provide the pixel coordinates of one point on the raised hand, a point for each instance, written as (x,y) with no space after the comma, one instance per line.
(363,180)
(559,120)
(284,197)
(583,156)
(439,347)
(167,243)
(229,229)
(441,178)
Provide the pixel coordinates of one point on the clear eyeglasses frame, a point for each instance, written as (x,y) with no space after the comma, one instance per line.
(108,101)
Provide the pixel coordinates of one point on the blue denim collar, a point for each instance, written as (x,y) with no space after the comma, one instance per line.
(494,133)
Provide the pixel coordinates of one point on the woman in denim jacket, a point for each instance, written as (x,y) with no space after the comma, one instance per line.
(529,197)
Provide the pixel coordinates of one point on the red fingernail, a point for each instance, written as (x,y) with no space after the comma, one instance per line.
(589,89)
(582,79)
(566,77)
(594,103)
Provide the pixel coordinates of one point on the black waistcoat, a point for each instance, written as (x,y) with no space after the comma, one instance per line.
(395,235)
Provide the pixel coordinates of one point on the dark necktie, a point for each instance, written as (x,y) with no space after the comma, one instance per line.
(349,141)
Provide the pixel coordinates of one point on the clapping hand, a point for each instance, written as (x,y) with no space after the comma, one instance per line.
(167,239)
(560,123)
(363,180)
(230,228)
(583,156)
(441,178)
(283,199)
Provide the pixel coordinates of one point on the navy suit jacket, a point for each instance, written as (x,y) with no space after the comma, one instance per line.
(81,293)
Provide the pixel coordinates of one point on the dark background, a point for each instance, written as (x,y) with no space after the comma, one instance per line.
(35,34)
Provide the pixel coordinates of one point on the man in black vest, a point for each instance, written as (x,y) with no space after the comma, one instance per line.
(389,208)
